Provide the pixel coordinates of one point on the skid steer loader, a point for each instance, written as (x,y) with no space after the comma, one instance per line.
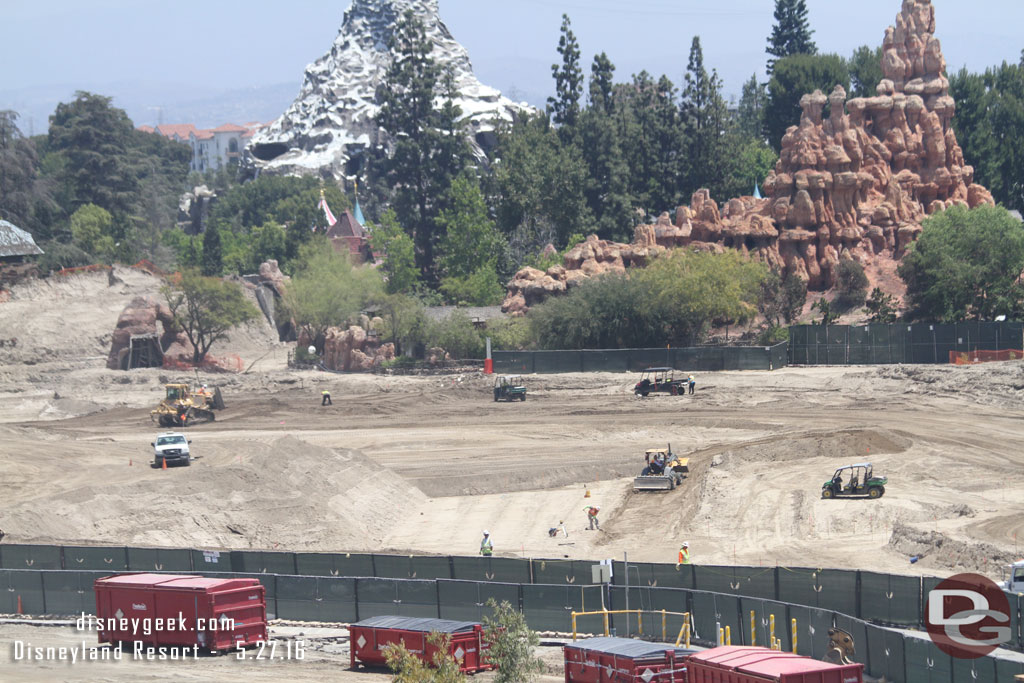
(182,407)
(663,470)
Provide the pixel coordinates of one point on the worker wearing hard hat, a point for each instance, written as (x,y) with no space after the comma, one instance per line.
(684,553)
(486,545)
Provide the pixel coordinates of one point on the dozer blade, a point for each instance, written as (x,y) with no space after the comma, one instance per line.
(652,483)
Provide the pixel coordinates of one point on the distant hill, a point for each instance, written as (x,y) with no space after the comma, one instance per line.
(153,103)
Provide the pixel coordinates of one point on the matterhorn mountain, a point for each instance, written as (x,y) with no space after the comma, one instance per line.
(331,122)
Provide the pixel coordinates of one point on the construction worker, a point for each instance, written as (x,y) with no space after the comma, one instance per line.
(684,553)
(592,517)
(691,382)
(486,545)
(326,400)
(553,531)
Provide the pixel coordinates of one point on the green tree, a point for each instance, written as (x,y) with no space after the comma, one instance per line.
(404,320)
(791,33)
(881,307)
(409,668)
(564,107)
(828,316)
(865,67)
(212,262)
(91,228)
(512,644)
(851,285)
(750,111)
(470,238)
(457,335)
(94,138)
(781,300)
(206,308)
(705,116)
(653,141)
(966,264)
(399,267)
(748,162)
(327,291)
(427,145)
(794,77)
(26,198)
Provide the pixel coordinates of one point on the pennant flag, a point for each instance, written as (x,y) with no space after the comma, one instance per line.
(328,216)
(358,213)
(757,192)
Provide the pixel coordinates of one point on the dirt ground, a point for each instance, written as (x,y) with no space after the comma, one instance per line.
(423,464)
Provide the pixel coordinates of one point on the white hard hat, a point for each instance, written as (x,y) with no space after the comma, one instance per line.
(486,532)
(686,544)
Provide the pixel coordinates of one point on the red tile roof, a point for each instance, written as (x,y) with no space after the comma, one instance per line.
(203,134)
(169,130)
(229,128)
(146,129)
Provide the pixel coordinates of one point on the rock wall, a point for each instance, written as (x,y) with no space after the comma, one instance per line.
(853,184)
(140,317)
(352,349)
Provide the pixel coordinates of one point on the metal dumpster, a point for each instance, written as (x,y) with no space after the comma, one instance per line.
(606,660)
(368,638)
(181,611)
(736,664)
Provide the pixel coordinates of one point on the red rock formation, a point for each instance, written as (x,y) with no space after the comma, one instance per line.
(139,318)
(352,350)
(856,184)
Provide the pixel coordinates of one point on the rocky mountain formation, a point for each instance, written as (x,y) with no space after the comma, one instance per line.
(331,122)
(853,184)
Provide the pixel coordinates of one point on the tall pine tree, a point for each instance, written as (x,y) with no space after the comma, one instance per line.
(606,189)
(565,105)
(791,34)
(705,117)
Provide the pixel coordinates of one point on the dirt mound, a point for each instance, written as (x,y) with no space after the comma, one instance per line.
(844,446)
(286,493)
(999,384)
(935,549)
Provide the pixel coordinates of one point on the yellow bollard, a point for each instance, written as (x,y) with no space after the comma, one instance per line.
(721,637)
(793,629)
(606,631)
(640,622)
(574,627)
(728,636)
(663,625)
(753,629)
(771,629)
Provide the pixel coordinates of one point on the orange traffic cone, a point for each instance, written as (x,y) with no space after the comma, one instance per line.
(163,463)
(587,494)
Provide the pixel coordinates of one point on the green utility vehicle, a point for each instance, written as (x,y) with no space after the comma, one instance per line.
(860,483)
(509,388)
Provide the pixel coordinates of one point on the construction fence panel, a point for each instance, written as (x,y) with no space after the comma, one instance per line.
(1019,617)
(860,345)
(556,572)
(890,599)
(69,593)
(500,569)
(778,356)
(798,585)
(1006,669)
(397,597)
(103,558)
(926,663)
(316,598)
(761,609)
(858,629)
(653,574)
(882,654)
(467,600)
(923,343)
(816,631)
(838,344)
(650,602)
(159,560)
(886,345)
(556,361)
(804,642)
(713,578)
(945,342)
(263,562)
(334,564)
(980,670)
(712,611)
(27,556)
(412,567)
(838,591)
(26,585)
(513,362)
(757,582)
(550,608)
(706,359)
(268,581)
(604,361)
(211,560)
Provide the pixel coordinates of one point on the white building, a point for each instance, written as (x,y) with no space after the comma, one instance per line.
(213,148)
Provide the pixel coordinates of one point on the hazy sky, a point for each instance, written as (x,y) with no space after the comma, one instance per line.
(88,44)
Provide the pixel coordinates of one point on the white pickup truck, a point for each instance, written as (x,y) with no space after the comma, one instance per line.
(172,448)
(1015,581)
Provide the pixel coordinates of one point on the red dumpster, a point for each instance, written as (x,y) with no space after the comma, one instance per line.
(605,660)
(735,664)
(368,638)
(180,611)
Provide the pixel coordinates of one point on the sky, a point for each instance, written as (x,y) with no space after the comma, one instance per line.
(114,46)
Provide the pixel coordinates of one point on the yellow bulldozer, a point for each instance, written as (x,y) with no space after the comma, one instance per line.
(182,407)
(663,470)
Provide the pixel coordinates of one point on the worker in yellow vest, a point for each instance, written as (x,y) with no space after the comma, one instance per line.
(684,553)
(486,545)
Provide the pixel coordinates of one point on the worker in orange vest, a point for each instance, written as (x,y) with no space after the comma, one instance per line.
(592,516)
(684,553)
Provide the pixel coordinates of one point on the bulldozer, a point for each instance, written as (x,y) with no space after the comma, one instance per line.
(182,407)
(663,470)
